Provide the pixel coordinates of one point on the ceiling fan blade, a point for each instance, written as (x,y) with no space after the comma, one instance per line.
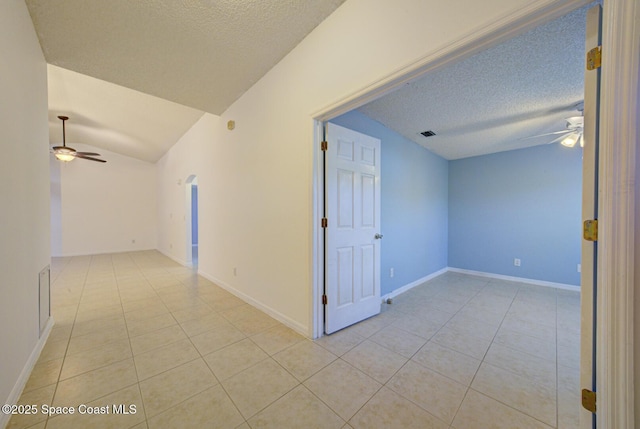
(548,134)
(88,153)
(559,138)
(90,158)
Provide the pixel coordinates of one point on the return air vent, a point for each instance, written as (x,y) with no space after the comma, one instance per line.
(428,133)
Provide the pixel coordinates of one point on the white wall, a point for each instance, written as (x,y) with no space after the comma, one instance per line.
(104,206)
(193,154)
(256,202)
(24,193)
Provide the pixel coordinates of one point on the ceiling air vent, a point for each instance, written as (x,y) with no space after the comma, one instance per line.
(428,133)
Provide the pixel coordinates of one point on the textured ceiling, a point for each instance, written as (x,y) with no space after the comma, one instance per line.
(488,102)
(205,54)
(200,53)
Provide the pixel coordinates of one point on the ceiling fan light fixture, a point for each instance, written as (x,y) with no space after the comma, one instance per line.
(570,140)
(64,153)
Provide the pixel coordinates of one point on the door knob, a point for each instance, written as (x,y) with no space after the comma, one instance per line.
(378,236)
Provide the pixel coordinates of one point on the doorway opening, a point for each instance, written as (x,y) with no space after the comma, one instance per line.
(321,299)
(191,220)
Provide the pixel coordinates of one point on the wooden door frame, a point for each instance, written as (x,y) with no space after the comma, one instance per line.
(618,140)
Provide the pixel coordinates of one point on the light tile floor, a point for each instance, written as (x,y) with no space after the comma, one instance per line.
(137,329)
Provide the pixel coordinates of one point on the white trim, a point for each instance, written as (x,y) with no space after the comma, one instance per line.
(26,372)
(175,259)
(316,326)
(296,326)
(516,279)
(106,252)
(618,140)
(413,284)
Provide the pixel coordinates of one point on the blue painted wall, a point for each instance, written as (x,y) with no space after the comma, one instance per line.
(414,205)
(522,204)
(194,214)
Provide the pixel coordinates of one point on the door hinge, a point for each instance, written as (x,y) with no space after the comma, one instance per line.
(589,400)
(594,58)
(590,230)
(324,146)
(324,299)
(324,222)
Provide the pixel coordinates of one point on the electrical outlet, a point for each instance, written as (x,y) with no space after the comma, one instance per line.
(516,262)
(579,268)
(391,272)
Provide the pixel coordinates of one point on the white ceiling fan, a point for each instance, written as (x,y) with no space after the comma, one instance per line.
(572,134)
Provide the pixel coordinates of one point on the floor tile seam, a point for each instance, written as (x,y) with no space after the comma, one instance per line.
(490,344)
(413,333)
(380,387)
(148,416)
(103,344)
(221,381)
(454,314)
(327,349)
(510,406)
(225,346)
(309,391)
(98,398)
(445,375)
(293,375)
(169,369)
(144,408)
(208,330)
(66,351)
(246,419)
(532,382)
(251,337)
(466,392)
(155,348)
(393,351)
(129,337)
(506,328)
(93,369)
(555,361)
(420,406)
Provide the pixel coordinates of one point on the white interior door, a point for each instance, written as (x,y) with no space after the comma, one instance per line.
(589,211)
(352,245)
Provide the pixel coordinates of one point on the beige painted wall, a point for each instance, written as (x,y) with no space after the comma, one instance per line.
(103,207)
(24,191)
(256,202)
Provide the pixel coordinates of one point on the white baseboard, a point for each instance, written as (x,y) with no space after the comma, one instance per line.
(516,279)
(296,326)
(173,258)
(102,252)
(413,284)
(14,396)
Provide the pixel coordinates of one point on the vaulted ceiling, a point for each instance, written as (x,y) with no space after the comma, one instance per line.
(134,76)
(170,54)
